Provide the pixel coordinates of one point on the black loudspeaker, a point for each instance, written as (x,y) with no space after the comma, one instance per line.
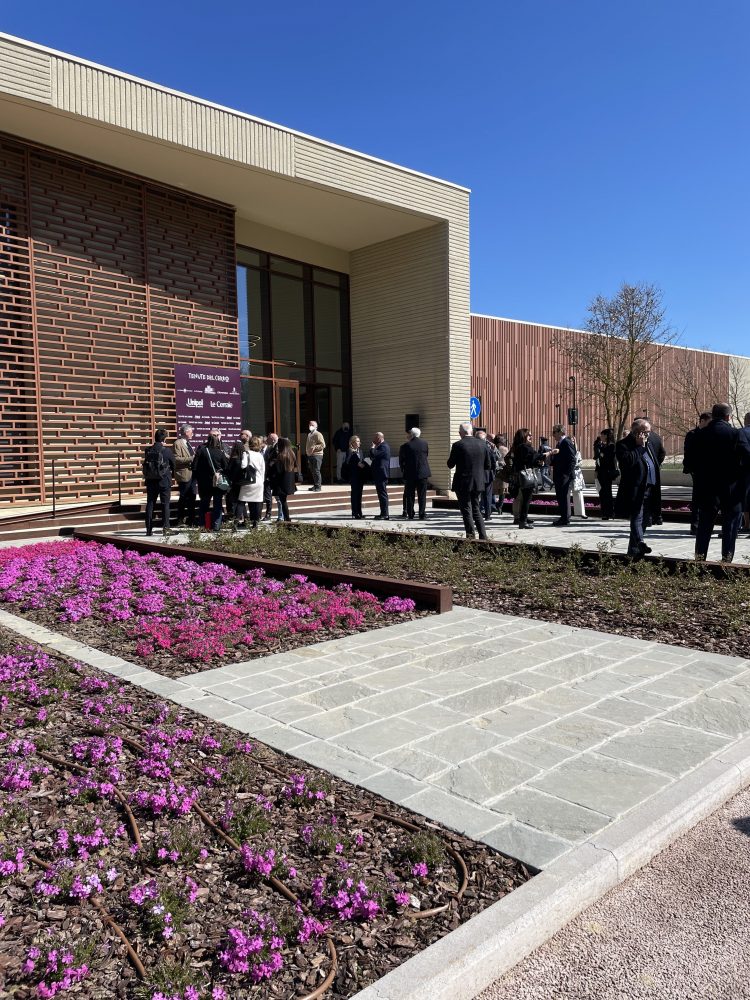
(572,416)
(411,420)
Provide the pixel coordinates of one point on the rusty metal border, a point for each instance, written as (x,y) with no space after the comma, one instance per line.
(429,596)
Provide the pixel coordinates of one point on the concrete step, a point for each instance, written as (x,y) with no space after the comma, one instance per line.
(30,526)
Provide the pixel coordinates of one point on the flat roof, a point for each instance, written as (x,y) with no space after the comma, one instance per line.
(233,111)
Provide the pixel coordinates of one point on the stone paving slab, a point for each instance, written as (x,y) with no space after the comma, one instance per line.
(670,539)
(533,748)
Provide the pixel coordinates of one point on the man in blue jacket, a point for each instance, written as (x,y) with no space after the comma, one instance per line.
(563,462)
(721,467)
(380,453)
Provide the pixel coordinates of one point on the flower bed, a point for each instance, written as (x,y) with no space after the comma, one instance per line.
(149,854)
(175,615)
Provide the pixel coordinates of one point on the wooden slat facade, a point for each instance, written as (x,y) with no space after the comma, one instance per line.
(106,281)
(520,373)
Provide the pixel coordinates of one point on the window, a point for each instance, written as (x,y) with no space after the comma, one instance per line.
(293,313)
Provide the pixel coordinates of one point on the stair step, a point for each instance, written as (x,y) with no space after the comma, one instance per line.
(30,524)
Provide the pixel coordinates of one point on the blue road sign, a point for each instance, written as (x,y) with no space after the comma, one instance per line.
(475,407)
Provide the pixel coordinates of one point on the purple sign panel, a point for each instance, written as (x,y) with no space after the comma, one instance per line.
(209,397)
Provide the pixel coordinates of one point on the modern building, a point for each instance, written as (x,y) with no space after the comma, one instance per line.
(520,372)
(142,228)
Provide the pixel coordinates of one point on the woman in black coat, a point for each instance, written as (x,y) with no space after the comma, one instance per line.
(353,472)
(282,472)
(607,472)
(207,461)
(524,457)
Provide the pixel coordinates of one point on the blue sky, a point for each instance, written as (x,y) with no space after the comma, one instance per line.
(603,142)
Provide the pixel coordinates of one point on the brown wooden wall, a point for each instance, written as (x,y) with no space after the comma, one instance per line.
(519,374)
(106,281)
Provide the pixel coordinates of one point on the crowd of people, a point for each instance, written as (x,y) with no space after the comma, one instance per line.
(242,481)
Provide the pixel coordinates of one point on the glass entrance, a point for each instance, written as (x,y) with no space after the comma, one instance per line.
(287,410)
(293,321)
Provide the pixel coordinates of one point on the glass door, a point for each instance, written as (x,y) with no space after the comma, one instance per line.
(287,413)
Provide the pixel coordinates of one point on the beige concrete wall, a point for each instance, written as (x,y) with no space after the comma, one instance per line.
(252,234)
(739,375)
(25,72)
(409,341)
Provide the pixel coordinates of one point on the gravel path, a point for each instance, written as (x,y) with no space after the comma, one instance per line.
(677,930)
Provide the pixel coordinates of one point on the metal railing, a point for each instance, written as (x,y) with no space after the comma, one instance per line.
(64,472)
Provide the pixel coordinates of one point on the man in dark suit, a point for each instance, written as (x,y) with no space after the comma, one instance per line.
(563,462)
(402,467)
(640,484)
(721,466)
(269,452)
(471,460)
(158,469)
(380,454)
(416,469)
(687,466)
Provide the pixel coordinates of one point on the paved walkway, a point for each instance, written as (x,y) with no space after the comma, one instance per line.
(677,929)
(669,539)
(529,736)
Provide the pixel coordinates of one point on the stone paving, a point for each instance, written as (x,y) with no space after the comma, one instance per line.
(670,539)
(529,736)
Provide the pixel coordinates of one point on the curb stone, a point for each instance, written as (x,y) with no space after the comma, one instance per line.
(464,962)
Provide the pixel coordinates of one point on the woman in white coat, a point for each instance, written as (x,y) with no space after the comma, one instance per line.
(247,470)
(579,484)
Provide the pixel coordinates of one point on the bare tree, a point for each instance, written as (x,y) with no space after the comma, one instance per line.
(739,389)
(627,339)
(697,380)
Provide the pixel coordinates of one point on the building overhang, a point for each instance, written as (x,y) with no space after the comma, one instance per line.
(272,176)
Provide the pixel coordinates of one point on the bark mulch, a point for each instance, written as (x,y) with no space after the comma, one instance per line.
(92,767)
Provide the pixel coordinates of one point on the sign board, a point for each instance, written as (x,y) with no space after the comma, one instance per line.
(475,407)
(208,397)
(572,416)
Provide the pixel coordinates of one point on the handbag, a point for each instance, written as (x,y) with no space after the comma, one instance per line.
(527,479)
(220,480)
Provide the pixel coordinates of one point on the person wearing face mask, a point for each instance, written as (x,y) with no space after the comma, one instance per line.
(314,449)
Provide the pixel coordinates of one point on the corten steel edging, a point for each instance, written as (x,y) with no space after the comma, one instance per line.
(432,596)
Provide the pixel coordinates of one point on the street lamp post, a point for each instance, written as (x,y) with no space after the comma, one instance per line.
(572,379)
